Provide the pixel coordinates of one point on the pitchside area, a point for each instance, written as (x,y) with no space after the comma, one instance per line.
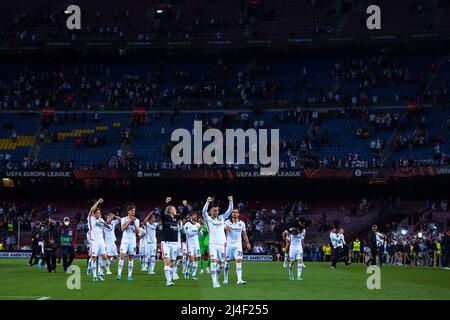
(266,280)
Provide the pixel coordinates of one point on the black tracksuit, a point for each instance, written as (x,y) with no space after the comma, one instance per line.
(372,244)
(50,237)
(35,247)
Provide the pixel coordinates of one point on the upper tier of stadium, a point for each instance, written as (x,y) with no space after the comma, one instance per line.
(31,21)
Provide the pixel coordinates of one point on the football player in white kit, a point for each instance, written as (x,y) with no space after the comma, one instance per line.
(110,240)
(235,231)
(97,247)
(141,248)
(130,229)
(150,226)
(295,242)
(217,239)
(181,250)
(285,236)
(192,229)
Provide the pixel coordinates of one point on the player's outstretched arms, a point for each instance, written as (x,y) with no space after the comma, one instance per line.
(227,213)
(95,206)
(147,218)
(205,207)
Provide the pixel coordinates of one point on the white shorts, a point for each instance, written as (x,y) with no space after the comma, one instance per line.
(111,249)
(169,250)
(150,249)
(128,246)
(97,248)
(142,245)
(193,250)
(234,252)
(217,252)
(295,254)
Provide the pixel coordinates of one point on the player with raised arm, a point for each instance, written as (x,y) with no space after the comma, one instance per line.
(235,232)
(192,229)
(217,240)
(169,238)
(110,240)
(130,229)
(97,247)
(150,226)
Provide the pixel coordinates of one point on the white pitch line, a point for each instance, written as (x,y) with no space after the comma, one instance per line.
(43,298)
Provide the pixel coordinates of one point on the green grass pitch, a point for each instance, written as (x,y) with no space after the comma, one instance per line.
(266,280)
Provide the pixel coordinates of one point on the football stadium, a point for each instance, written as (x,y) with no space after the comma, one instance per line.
(225,150)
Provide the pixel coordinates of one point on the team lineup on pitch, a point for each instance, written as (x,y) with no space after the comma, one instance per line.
(224,244)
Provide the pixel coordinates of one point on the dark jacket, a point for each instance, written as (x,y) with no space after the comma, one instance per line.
(445,243)
(50,237)
(372,240)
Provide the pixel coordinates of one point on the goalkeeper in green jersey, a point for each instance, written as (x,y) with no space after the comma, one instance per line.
(204,243)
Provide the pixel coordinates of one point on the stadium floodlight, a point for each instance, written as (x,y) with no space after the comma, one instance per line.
(404,232)
(420,234)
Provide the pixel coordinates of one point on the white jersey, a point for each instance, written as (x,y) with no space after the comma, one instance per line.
(234,236)
(95,229)
(380,239)
(216,227)
(150,234)
(110,235)
(129,233)
(296,241)
(141,240)
(337,240)
(192,233)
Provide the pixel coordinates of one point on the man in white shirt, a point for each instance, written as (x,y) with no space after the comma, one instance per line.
(217,239)
(338,242)
(97,246)
(110,240)
(150,226)
(130,229)
(235,232)
(192,229)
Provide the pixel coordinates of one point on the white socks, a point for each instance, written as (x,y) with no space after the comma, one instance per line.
(120,267)
(194,268)
(239,271)
(168,273)
(130,267)
(299,270)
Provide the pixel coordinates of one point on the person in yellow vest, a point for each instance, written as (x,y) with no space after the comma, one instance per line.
(1,246)
(438,260)
(356,250)
(10,227)
(327,252)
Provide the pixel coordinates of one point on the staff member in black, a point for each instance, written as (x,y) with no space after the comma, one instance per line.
(67,238)
(50,238)
(445,244)
(372,244)
(169,238)
(35,247)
